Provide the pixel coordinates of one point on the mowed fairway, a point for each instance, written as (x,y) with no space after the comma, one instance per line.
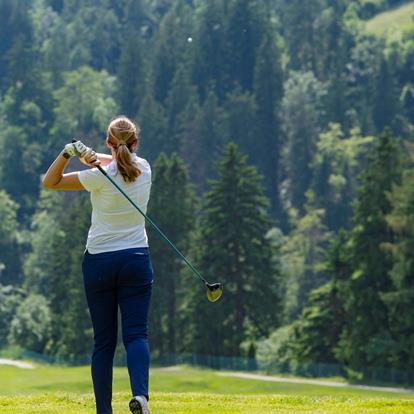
(50,390)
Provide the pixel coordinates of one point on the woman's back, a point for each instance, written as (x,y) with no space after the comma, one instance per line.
(115,225)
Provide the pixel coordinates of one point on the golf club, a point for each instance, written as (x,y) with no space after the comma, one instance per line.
(214,290)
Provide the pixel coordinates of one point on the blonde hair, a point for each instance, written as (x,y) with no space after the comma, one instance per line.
(123,134)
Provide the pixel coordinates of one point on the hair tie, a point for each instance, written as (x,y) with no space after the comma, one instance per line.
(122,143)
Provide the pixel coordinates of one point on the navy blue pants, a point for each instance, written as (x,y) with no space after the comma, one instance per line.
(121,278)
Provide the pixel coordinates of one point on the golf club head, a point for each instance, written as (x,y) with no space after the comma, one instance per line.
(214,291)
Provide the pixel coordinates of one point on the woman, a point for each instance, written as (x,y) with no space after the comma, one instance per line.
(117,269)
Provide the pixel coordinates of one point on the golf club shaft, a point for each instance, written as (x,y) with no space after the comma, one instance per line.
(153,225)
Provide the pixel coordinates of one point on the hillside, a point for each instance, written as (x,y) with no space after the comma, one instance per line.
(392,22)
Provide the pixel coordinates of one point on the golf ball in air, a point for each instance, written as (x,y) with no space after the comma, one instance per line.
(190,39)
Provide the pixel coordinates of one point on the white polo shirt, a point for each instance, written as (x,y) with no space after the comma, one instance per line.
(115,224)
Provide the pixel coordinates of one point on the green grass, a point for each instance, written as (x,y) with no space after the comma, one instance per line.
(392,23)
(61,390)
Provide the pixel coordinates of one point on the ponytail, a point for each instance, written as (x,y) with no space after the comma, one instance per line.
(123,134)
(126,166)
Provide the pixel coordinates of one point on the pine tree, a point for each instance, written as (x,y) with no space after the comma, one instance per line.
(336,165)
(304,256)
(302,118)
(202,137)
(364,340)
(318,330)
(170,48)
(72,321)
(245,29)
(131,74)
(53,269)
(268,93)
(172,205)
(181,96)
(153,122)
(210,63)
(10,259)
(400,298)
(233,249)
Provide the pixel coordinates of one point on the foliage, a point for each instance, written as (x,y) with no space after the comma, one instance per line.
(233,230)
(10,270)
(173,205)
(31,324)
(304,254)
(302,116)
(400,297)
(10,299)
(365,339)
(277,349)
(302,88)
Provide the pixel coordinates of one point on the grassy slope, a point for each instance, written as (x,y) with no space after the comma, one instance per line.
(77,380)
(392,22)
(68,391)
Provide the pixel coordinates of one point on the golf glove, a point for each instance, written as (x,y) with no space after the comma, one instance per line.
(76,149)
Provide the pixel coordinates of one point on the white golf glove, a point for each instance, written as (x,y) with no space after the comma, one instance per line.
(76,149)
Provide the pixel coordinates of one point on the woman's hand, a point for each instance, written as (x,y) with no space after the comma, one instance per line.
(90,158)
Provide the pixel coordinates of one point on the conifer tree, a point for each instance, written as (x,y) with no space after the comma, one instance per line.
(172,205)
(364,340)
(210,63)
(268,93)
(10,259)
(302,118)
(202,137)
(245,29)
(53,269)
(318,330)
(400,298)
(233,249)
(154,126)
(131,62)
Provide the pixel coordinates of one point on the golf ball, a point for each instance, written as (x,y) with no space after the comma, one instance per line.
(190,39)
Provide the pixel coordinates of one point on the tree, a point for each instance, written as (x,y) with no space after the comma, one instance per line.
(84,105)
(233,248)
(304,254)
(245,28)
(336,166)
(46,234)
(268,93)
(401,295)
(10,299)
(172,203)
(171,48)
(53,269)
(30,326)
(365,339)
(202,138)
(210,63)
(16,40)
(131,61)
(302,118)
(153,123)
(10,259)
(319,327)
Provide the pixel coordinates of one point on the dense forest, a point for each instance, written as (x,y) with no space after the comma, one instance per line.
(280,136)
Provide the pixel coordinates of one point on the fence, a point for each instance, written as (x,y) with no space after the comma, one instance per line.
(371,375)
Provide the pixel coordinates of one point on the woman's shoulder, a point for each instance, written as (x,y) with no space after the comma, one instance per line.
(143,164)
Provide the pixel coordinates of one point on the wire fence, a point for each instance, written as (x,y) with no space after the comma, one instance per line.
(310,370)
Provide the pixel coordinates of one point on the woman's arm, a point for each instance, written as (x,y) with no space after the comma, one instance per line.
(104,159)
(55,179)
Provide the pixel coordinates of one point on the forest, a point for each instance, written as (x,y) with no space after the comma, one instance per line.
(280,135)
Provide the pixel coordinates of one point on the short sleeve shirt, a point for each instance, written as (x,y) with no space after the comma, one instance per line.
(115,224)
